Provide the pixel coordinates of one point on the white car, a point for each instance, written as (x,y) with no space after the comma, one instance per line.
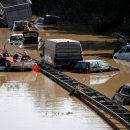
(26,39)
(123,53)
(16,40)
(20,26)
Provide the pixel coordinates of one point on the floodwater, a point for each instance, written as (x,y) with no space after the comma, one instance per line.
(30,100)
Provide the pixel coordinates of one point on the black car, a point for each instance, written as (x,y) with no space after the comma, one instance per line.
(122,95)
(93,66)
(20,26)
(4,24)
(51,19)
(47,19)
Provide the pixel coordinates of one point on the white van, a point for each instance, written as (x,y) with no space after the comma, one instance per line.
(123,53)
(61,52)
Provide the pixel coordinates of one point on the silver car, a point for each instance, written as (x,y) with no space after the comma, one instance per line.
(122,95)
(123,53)
(20,26)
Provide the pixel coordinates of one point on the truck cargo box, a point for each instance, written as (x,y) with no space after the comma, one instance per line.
(62,52)
(16,10)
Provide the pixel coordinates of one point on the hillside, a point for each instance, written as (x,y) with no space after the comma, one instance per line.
(101,16)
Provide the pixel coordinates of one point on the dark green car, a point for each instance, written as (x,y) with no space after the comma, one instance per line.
(93,66)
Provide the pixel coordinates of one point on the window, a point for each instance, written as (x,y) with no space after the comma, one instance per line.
(82,65)
(103,65)
(128,50)
(16,38)
(126,91)
(124,49)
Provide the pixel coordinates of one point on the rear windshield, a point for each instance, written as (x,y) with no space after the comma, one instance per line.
(17,38)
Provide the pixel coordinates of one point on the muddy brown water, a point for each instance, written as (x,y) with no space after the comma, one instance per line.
(30,100)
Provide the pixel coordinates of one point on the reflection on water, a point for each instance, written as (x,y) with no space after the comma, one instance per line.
(123,65)
(31,102)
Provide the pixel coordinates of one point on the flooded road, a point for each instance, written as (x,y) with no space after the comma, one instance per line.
(32,101)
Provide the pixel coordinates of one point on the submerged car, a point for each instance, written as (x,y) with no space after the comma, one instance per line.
(47,19)
(39,21)
(51,19)
(122,95)
(123,53)
(20,26)
(26,39)
(31,39)
(16,39)
(93,66)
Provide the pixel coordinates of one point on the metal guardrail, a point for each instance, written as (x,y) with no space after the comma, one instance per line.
(88,95)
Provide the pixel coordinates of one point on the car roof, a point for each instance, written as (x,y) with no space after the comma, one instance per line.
(62,40)
(17,34)
(90,61)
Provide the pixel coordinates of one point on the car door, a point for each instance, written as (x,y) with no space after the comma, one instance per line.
(120,54)
(127,53)
(123,54)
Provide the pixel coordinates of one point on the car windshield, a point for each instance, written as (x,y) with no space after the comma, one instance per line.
(125,49)
(16,38)
(83,65)
(125,91)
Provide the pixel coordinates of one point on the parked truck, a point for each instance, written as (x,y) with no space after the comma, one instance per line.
(15,10)
(61,52)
